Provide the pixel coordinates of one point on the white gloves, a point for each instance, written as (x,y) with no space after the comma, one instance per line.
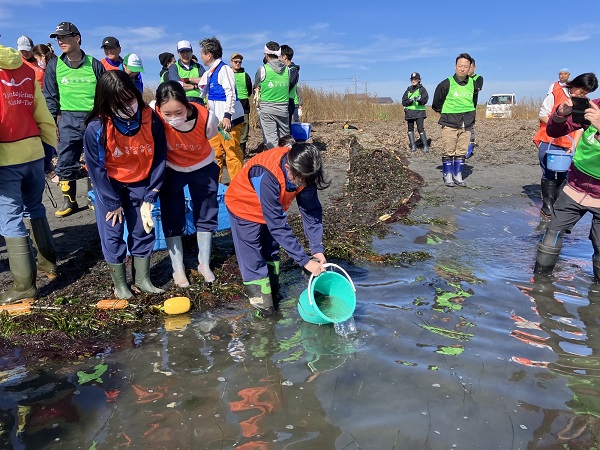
(146,212)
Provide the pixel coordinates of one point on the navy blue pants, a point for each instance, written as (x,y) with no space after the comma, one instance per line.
(70,144)
(139,242)
(203,185)
(254,246)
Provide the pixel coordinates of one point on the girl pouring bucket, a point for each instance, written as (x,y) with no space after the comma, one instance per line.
(257,199)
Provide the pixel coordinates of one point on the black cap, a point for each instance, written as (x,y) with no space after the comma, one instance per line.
(415,75)
(165,57)
(64,29)
(110,41)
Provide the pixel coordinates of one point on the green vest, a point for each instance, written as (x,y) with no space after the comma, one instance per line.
(240,85)
(587,156)
(294,95)
(475,76)
(415,106)
(76,87)
(275,88)
(192,73)
(460,98)
(162,77)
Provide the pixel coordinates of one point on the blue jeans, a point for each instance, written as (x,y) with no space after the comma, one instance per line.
(548,174)
(21,189)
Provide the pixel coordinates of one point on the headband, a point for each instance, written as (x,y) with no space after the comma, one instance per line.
(272,52)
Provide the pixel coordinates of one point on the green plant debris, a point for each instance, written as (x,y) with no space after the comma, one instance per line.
(433,368)
(452,334)
(406,363)
(450,351)
(84,377)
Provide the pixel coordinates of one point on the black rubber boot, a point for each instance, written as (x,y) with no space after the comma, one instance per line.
(411,140)
(119,277)
(141,276)
(69,191)
(273,267)
(259,294)
(22,267)
(548,252)
(424,142)
(44,244)
(548,188)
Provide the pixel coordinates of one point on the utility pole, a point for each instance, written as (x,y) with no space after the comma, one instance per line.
(355,79)
(366,92)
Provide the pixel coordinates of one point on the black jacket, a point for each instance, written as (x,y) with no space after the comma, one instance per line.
(461,120)
(411,114)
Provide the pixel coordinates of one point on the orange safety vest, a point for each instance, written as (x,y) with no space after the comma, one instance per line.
(17,93)
(187,148)
(541,135)
(129,158)
(241,198)
(39,72)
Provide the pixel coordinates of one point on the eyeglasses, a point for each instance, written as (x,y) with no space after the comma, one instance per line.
(63,37)
(236,61)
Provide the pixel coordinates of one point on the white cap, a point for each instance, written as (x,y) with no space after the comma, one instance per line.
(184,45)
(24,43)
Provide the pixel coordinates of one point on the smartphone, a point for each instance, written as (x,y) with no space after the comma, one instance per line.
(580,104)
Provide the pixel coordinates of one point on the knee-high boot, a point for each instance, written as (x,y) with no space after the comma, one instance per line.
(42,239)
(22,267)
(459,163)
(273,267)
(69,191)
(548,252)
(259,294)
(119,278)
(425,142)
(447,164)
(548,188)
(175,248)
(141,275)
(204,249)
(411,140)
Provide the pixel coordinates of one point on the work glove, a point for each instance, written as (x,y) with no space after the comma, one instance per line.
(146,212)
(226,135)
(417,98)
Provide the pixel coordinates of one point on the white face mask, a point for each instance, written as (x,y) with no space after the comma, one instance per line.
(130,112)
(42,64)
(176,121)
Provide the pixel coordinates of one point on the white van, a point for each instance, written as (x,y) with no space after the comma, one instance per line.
(500,106)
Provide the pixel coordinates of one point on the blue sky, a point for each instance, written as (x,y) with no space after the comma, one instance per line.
(342,46)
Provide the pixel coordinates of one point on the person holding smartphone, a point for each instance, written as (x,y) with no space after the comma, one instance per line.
(551,181)
(581,193)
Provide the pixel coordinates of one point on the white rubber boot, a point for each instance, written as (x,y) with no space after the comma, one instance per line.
(204,249)
(175,248)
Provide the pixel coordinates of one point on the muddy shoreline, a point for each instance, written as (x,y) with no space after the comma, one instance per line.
(373,176)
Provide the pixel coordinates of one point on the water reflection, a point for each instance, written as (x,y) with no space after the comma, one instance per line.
(567,329)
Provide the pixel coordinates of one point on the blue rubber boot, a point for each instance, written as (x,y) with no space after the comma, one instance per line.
(447,164)
(458,168)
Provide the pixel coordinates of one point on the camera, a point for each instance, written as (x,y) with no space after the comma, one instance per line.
(580,104)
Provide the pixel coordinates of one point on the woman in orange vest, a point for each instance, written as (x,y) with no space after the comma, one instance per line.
(191,162)
(551,181)
(257,199)
(125,152)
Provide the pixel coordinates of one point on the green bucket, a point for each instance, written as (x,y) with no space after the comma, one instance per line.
(329,298)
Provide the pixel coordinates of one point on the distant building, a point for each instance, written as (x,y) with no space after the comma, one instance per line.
(368,98)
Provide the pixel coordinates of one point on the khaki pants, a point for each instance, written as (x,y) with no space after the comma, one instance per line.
(456,141)
(229,152)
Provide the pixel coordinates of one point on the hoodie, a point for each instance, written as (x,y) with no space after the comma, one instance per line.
(30,149)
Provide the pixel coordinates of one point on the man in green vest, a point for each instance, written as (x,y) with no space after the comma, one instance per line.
(273,81)
(187,71)
(69,89)
(453,99)
(287,54)
(243,84)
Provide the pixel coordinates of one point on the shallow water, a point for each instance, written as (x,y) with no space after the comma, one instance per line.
(464,350)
